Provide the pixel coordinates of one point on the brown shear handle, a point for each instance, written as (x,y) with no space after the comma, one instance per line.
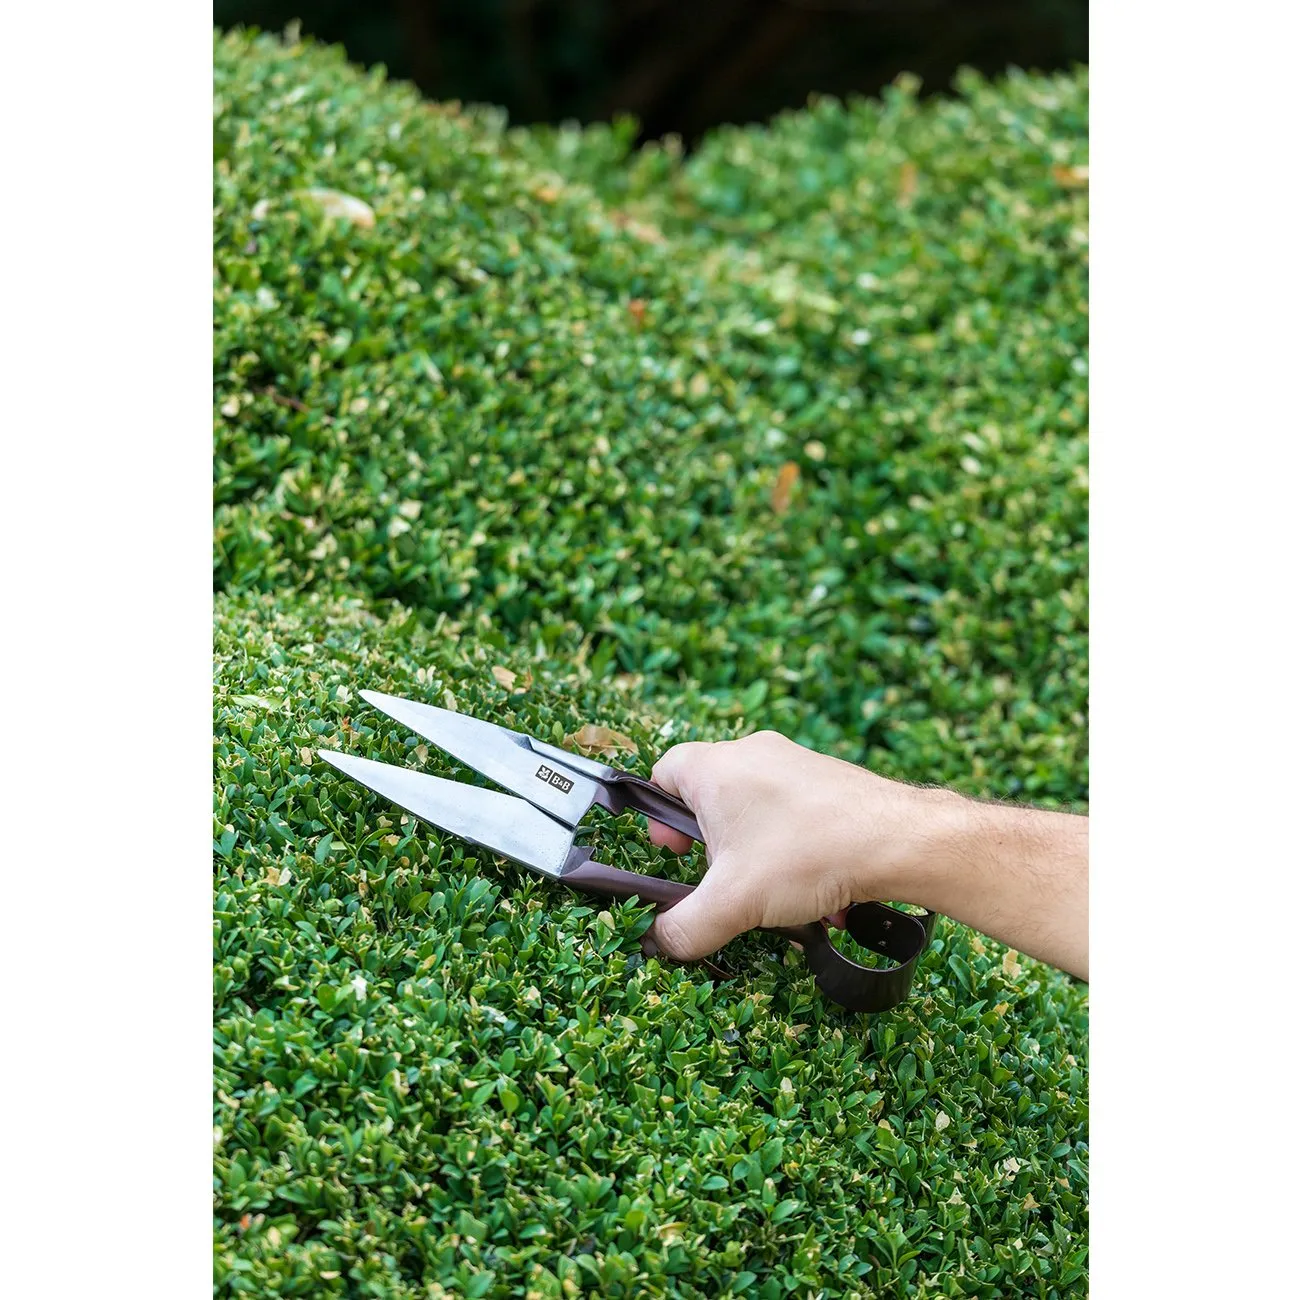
(877,926)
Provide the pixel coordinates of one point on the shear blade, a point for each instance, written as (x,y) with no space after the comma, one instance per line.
(502,755)
(497,822)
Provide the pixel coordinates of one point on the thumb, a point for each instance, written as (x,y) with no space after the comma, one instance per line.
(711,915)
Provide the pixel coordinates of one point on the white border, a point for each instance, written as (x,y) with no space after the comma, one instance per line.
(105,224)
(1194,357)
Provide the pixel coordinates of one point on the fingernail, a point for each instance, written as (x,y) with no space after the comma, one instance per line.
(649,948)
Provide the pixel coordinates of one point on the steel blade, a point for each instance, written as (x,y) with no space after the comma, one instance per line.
(502,755)
(497,822)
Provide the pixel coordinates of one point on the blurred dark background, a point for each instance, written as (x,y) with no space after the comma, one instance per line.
(678,66)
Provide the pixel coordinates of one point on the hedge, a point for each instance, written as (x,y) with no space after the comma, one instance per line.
(788,433)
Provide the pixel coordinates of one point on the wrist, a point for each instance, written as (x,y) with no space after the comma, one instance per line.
(921,846)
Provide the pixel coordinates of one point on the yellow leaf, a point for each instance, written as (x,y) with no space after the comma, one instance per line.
(343,207)
(600,740)
(306,757)
(1010,964)
(784,487)
(504,677)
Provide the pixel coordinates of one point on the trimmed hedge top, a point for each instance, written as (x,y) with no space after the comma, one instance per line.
(786,434)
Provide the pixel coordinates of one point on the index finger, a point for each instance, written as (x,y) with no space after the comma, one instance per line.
(675,770)
(672,773)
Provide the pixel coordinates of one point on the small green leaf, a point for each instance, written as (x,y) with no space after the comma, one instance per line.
(305,1083)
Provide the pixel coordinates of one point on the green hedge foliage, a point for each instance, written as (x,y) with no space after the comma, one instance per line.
(788,433)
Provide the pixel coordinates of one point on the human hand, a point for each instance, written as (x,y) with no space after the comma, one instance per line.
(791,836)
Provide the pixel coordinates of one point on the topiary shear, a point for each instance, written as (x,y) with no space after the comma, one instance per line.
(553,790)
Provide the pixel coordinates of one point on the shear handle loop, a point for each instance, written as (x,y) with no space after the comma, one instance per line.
(876,926)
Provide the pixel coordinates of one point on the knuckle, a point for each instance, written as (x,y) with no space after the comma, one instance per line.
(677,756)
(667,765)
(706,760)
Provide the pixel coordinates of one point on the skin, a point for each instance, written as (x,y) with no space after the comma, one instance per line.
(792,835)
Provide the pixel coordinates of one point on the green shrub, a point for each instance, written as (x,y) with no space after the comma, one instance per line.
(435,1069)
(507,396)
(534,415)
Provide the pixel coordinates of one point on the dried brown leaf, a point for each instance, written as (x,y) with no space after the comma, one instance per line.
(636,309)
(907,179)
(600,740)
(784,487)
(1070,178)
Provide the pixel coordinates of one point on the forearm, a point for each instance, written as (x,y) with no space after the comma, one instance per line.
(1019,875)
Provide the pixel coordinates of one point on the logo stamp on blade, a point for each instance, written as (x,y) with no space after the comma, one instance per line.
(561,783)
